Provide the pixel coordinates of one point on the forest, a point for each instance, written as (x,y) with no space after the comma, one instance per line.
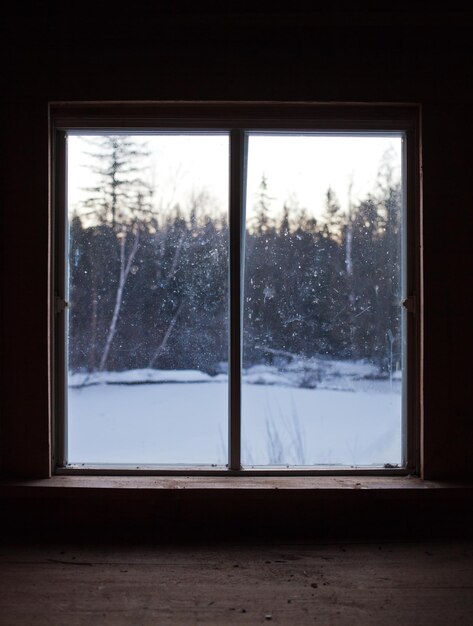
(150,290)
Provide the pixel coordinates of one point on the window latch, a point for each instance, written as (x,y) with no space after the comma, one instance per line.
(409,304)
(60,305)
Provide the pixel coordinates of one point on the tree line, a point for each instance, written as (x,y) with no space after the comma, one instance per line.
(150,290)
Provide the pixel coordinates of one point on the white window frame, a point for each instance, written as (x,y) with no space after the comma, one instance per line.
(238,119)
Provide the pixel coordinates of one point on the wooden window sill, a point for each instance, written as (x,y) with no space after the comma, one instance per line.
(170,508)
(69,485)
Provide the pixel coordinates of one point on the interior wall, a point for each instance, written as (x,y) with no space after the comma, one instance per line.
(77,52)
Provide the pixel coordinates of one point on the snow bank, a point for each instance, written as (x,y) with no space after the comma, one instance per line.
(139,376)
(311,373)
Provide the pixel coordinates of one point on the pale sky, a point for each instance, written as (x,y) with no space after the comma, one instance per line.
(298,168)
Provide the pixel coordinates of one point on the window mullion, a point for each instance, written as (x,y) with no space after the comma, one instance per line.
(238,151)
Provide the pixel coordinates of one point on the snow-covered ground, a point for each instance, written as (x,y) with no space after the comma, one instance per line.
(307,413)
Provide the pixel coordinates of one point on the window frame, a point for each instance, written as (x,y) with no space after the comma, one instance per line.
(236,118)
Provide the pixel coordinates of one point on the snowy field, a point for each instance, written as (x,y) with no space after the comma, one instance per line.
(346,417)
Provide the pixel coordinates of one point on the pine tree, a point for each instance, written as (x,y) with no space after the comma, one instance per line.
(118,167)
(263,222)
(121,200)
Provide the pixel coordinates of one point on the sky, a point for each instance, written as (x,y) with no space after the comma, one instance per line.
(298,168)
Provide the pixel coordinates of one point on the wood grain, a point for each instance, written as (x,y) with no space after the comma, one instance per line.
(409,584)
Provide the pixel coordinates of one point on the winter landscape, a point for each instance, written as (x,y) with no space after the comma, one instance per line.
(180,417)
(147,321)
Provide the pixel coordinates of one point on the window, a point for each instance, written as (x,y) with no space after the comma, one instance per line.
(235,288)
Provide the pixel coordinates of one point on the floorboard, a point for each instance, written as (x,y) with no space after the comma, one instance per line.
(388,583)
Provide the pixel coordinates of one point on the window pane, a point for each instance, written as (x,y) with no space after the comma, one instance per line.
(322,336)
(147,280)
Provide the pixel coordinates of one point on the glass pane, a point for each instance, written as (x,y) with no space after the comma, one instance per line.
(322,336)
(147,279)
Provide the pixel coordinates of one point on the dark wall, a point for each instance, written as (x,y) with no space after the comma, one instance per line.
(81,52)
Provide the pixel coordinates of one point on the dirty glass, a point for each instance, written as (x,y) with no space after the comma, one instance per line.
(322,322)
(147,289)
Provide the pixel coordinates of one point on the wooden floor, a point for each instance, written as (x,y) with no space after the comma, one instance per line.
(389,583)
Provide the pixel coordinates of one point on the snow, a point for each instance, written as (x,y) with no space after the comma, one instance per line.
(139,376)
(313,427)
(349,418)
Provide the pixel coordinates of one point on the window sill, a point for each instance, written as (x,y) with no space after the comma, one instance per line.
(69,485)
(197,508)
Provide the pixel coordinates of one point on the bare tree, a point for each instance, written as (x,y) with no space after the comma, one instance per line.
(122,200)
(126,260)
(167,334)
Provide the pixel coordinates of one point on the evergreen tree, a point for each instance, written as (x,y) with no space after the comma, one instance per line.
(263,221)
(118,165)
(155,290)
(120,203)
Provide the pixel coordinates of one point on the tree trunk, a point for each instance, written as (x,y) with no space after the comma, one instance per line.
(93,323)
(125,266)
(159,350)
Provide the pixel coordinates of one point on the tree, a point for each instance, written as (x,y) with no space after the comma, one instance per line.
(121,202)
(375,279)
(262,220)
(332,219)
(119,196)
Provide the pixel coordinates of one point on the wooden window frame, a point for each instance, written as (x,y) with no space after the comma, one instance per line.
(236,118)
